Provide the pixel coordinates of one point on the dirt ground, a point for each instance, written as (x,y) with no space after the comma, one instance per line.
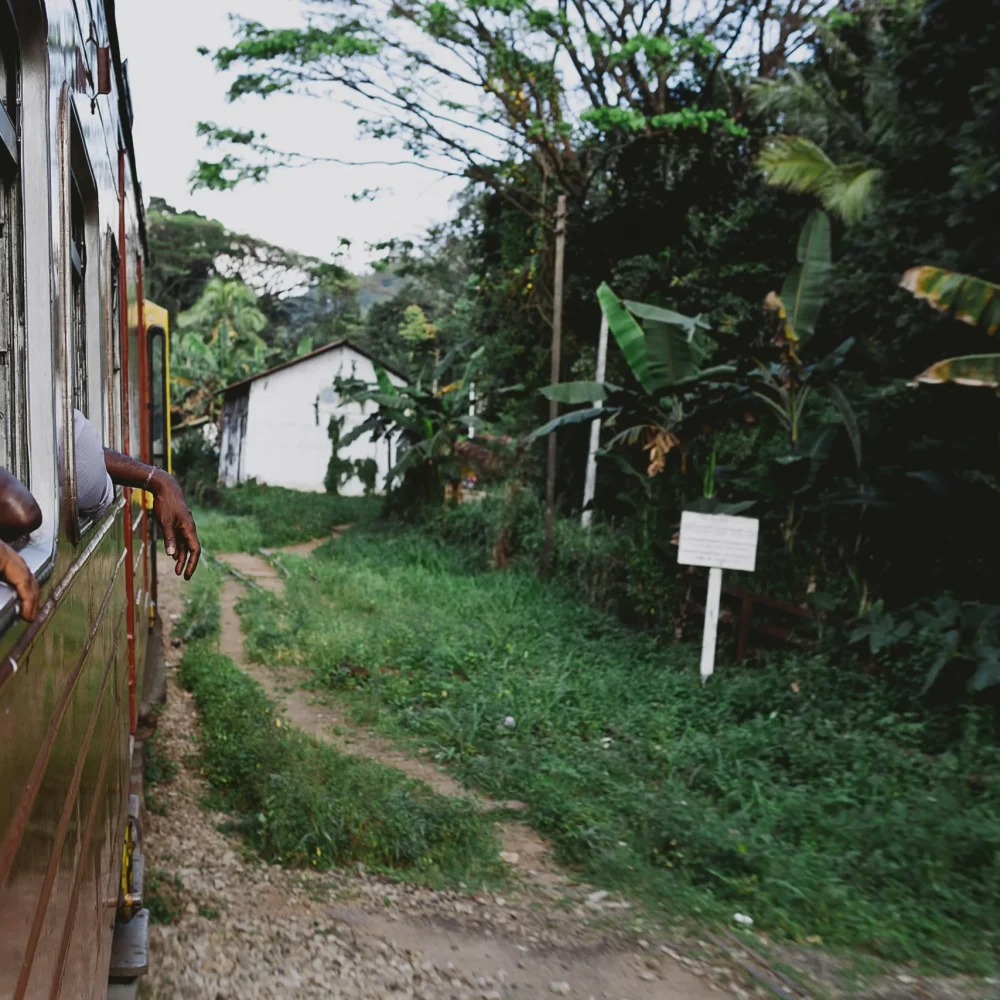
(249,930)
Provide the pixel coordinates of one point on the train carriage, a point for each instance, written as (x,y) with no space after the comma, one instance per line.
(73,334)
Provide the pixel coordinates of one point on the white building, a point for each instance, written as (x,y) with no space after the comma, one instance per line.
(275,424)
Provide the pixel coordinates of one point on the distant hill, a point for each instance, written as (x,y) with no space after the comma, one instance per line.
(373,288)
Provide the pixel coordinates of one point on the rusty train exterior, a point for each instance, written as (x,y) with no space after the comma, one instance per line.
(73,333)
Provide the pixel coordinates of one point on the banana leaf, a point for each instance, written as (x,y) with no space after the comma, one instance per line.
(805,288)
(572,393)
(384,382)
(662,354)
(969,299)
(849,418)
(660,315)
(970,369)
(576,417)
(627,332)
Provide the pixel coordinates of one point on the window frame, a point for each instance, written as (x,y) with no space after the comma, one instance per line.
(14,450)
(112,296)
(156,335)
(26,49)
(79,305)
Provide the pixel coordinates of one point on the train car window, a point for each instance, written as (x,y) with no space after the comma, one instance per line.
(78,344)
(112,342)
(78,303)
(13,353)
(158,396)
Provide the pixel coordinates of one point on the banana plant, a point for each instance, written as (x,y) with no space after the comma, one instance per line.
(427,424)
(666,355)
(969,299)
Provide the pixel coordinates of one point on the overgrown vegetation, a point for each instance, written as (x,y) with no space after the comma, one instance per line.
(730,168)
(830,805)
(253,516)
(300,802)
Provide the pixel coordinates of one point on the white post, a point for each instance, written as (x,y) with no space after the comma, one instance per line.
(712,600)
(472,408)
(590,480)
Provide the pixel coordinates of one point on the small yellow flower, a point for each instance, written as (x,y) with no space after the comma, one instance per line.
(277,722)
(318,852)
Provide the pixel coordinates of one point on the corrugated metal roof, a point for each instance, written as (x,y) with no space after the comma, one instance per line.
(307,357)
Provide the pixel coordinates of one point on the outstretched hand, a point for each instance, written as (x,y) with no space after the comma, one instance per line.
(180,536)
(15,571)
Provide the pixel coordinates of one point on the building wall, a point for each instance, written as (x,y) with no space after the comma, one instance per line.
(284,440)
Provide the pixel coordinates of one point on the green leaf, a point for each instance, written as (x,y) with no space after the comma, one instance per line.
(797,164)
(971,300)
(573,393)
(849,418)
(660,315)
(806,286)
(662,355)
(384,382)
(576,417)
(626,331)
(988,673)
(970,369)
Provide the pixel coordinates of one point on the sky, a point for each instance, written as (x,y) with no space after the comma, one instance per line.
(308,209)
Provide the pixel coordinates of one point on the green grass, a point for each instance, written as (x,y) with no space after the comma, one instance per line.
(158,768)
(798,792)
(300,802)
(162,896)
(250,517)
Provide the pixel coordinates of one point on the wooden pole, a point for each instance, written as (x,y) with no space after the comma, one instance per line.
(590,479)
(557,317)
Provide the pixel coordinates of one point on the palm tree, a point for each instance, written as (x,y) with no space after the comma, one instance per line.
(847,105)
(228,318)
(218,342)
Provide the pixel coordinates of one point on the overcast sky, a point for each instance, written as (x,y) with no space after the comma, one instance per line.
(307,209)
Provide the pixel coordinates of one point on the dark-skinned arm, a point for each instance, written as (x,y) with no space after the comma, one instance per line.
(15,571)
(180,537)
(20,514)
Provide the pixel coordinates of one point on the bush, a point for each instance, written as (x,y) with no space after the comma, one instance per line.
(624,572)
(284,517)
(195,465)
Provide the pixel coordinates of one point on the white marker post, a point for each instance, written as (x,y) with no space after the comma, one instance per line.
(719,542)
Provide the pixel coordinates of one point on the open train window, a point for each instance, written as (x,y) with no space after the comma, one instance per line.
(79,343)
(158,396)
(13,355)
(112,343)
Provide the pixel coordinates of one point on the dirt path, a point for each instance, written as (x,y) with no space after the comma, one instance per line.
(523,848)
(246,930)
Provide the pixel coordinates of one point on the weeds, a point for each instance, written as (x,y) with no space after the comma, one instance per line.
(162,896)
(815,799)
(300,802)
(158,768)
(251,516)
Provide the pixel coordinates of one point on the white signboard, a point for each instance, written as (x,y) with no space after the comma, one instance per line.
(718,540)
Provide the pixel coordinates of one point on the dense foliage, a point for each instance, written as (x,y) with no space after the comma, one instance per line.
(818,801)
(694,146)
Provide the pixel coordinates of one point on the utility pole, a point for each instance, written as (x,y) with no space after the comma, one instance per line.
(557,318)
(590,480)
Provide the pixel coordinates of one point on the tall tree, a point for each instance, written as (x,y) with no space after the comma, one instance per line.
(217,341)
(478,88)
